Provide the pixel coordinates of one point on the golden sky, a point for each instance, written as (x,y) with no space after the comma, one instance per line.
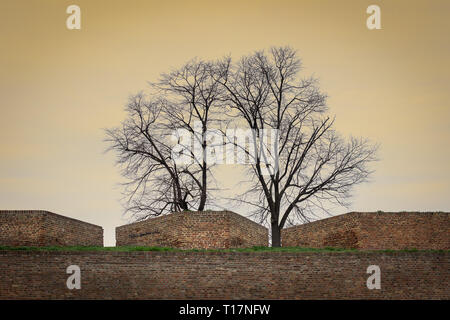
(60,87)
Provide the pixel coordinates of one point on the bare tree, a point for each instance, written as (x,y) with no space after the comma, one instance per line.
(313,164)
(144,152)
(183,99)
(193,93)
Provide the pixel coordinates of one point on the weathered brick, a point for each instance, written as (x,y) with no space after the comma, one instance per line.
(374,230)
(189,230)
(224,275)
(39,228)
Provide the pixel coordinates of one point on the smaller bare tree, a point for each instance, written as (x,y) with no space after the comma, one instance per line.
(143,150)
(193,93)
(183,100)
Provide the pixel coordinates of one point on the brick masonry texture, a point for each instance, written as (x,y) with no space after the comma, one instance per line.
(43,228)
(224,275)
(374,230)
(190,230)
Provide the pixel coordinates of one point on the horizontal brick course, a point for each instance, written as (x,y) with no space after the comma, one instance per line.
(224,275)
(43,228)
(189,230)
(374,230)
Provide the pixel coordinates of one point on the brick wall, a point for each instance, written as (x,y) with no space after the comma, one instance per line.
(187,230)
(43,228)
(374,230)
(224,275)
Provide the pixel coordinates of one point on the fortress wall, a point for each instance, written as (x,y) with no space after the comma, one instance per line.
(189,230)
(374,230)
(43,228)
(224,275)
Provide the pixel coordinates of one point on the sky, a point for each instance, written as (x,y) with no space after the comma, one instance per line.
(60,88)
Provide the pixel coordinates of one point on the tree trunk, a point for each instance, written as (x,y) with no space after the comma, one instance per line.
(201,206)
(276,235)
(184,206)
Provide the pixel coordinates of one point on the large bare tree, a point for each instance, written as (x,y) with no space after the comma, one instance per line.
(312,165)
(184,99)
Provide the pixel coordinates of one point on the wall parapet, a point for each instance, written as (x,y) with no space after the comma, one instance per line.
(375,231)
(45,228)
(194,230)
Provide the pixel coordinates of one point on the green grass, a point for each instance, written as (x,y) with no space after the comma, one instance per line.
(252,249)
(88,248)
